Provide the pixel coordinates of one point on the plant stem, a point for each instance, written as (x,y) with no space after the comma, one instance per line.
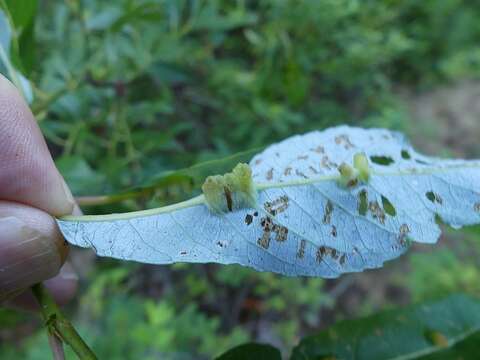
(59,326)
(56,346)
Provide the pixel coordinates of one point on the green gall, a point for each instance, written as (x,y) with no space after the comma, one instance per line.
(360,162)
(348,175)
(232,191)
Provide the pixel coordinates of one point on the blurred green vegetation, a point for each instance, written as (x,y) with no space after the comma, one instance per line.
(127,90)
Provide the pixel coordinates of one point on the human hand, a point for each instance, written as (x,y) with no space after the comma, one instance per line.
(32,191)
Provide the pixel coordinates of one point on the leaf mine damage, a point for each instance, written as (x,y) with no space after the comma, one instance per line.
(328,212)
(301,249)
(376,211)
(324,251)
(273,208)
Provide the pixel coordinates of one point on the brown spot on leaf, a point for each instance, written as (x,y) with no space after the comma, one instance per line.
(319,149)
(270,174)
(299,173)
(334,254)
(334,231)
(328,212)
(287,171)
(277,206)
(312,169)
(266,223)
(377,211)
(301,249)
(248,219)
(403,233)
(302,157)
(321,253)
(476,207)
(352,183)
(258,161)
(264,240)
(345,140)
(281,233)
(342,259)
(326,163)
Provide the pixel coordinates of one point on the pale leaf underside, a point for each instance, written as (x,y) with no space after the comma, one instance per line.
(304,223)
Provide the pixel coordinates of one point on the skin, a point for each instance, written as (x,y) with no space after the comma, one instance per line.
(32,192)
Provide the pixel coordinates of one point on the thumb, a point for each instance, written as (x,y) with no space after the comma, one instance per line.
(31,247)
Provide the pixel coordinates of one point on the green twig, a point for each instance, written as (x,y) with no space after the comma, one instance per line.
(42,106)
(58,325)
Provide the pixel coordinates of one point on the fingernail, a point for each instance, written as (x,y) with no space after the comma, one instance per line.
(26,256)
(68,196)
(76,210)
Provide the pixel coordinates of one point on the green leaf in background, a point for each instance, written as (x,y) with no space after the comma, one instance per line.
(252,351)
(192,176)
(411,333)
(12,28)
(78,173)
(21,14)
(196,174)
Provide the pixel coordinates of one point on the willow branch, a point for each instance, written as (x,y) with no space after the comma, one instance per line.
(59,326)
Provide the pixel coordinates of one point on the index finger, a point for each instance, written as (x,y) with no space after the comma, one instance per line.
(27,172)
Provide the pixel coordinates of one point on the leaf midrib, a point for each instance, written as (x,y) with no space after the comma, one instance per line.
(200,200)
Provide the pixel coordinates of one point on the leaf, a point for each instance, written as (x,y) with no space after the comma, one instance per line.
(302,221)
(425,331)
(251,351)
(22,12)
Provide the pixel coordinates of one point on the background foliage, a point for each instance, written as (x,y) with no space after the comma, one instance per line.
(127,90)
